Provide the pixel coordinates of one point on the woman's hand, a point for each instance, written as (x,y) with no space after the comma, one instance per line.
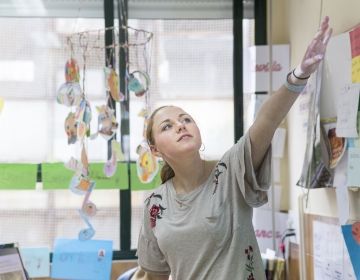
(315,51)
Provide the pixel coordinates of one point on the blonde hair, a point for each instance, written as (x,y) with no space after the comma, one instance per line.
(166,172)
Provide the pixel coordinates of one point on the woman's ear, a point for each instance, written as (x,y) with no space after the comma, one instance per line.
(155,151)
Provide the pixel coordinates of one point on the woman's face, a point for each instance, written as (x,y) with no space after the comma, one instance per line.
(175,133)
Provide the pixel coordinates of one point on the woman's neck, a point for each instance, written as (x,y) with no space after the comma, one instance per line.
(190,175)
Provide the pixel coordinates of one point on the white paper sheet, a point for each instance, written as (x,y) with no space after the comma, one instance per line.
(347,109)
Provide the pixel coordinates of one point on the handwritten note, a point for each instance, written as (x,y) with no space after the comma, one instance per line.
(36,261)
(77,259)
(347,109)
(328,255)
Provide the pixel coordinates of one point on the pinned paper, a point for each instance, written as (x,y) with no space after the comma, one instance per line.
(351,235)
(353,167)
(355,55)
(347,109)
(75,259)
(36,261)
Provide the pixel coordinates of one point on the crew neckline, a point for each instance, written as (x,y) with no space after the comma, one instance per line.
(194,192)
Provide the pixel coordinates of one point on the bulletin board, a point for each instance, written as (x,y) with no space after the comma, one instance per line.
(338,122)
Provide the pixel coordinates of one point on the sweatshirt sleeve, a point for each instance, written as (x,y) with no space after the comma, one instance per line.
(252,184)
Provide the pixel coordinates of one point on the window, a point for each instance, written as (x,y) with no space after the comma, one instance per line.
(191,66)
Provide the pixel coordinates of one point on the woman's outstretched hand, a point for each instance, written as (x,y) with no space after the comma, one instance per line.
(315,51)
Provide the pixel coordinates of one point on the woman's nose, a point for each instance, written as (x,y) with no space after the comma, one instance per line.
(180,126)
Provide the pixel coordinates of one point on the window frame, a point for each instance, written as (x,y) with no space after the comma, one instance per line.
(105,9)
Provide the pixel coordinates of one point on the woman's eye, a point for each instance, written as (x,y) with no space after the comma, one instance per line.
(186,120)
(165,127)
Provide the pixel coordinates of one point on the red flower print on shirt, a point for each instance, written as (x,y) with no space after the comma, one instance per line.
(155,211)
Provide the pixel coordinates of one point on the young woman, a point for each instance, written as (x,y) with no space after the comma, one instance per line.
(198,223)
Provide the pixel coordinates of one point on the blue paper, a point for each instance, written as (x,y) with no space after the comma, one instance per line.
(353,248)
(36,261)
(77,259)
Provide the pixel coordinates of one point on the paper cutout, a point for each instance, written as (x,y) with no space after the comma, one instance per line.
(144,113)
(107,124)
(351,235)
(79,184)
(84,162)
(86,233)
(75,259)
(83,117)
(88,207)
(36,261)
(110,166)
(112,84)
(72,73)
(138,82)
(116,149)
(147,164)
(71,128)
(69,94)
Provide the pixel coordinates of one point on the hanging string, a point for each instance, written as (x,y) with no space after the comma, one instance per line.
(83,43)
